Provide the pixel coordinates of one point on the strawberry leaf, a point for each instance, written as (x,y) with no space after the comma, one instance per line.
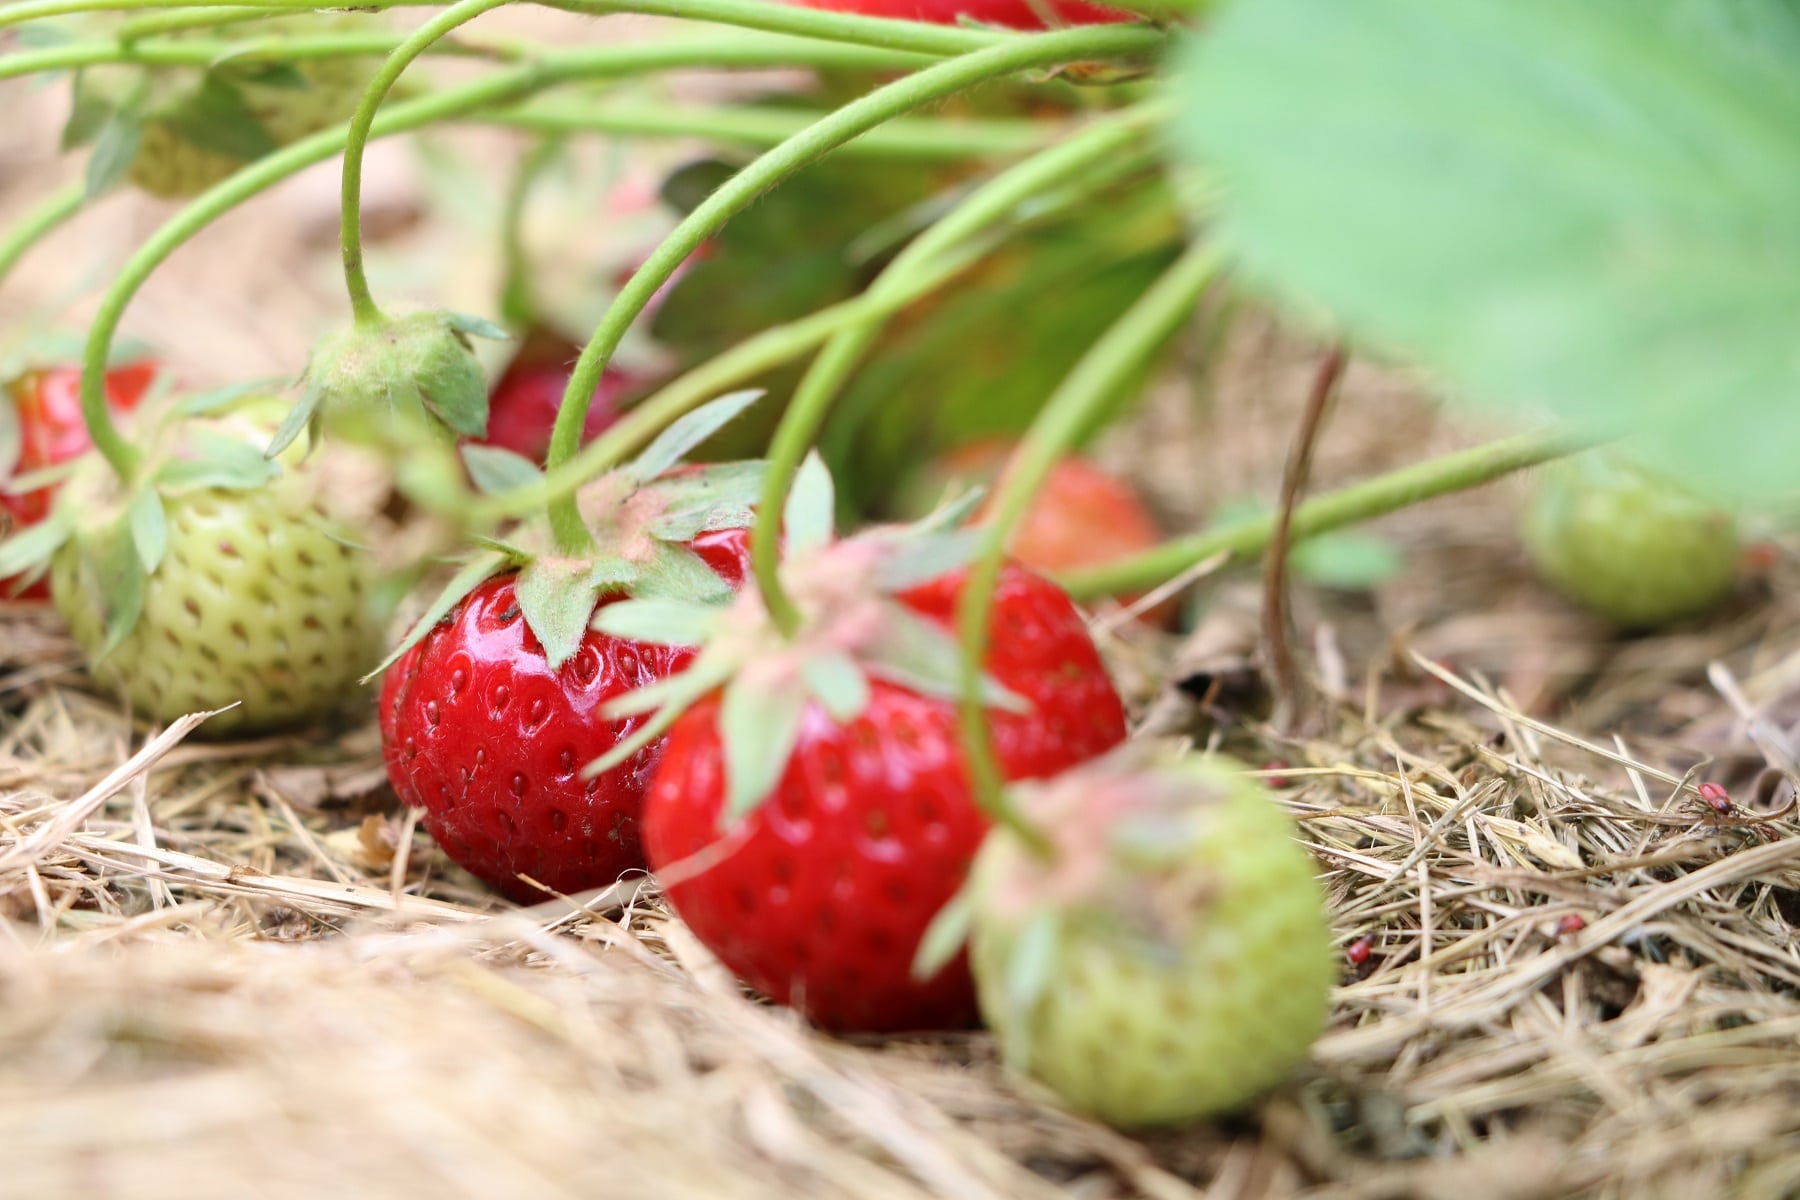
(495,469)
(88,115)
(114,576)
(668,699)
(1605,191)
(303,415)
(684,436)
(557,597)
(947,934)
(918,560)
(216,117)
(115,145)
(709,498)
(461,584)
(759,725)
(660,622)
(203,403)
(677,573)
(1029,972)
(33,546)
(149,529)
(810,517)
(838,684)
(470,326)
(217,461)
(924,657)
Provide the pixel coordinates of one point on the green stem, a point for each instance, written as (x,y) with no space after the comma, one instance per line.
(1372,498)
(498,88)
(178,22)
(750,358)
(1134,337)
(517,307)
(925,140)
(356,279)
(711,50)
(917,36)
(501,87)
(814,142)
(52,212)
(1085,152)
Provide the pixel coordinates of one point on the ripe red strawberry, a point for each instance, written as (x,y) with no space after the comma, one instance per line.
(46,411)
(1014,14)
(1082,516)
(490,712)
(483,734)
(811,815)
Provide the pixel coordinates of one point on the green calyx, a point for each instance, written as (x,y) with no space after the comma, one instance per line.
(393,381)
(637,517)
(854,630)
(1177,921)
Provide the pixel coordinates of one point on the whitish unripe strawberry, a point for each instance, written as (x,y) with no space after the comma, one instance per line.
(222,579)
(194,127)
(1636,547)
(1171,959)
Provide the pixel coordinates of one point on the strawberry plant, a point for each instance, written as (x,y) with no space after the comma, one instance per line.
(983,220)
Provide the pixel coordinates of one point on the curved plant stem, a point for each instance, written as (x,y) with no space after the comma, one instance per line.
(814,142)
(709,50)
(153,23)
(356,280)
(518,309)
(51,212)
(1136,335)
(745,14)
(1084,152)
(1290,694)
(502,87)
(752,357)
(1364,501)
(498,88)
(923,140)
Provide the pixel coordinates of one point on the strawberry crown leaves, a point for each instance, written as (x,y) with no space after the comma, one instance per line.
(381,383)
(856,631)
(647,510)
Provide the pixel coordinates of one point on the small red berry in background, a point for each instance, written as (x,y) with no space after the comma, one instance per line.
(1570,924)
(1082,516)
(1013,14)
(1277,765)
(47,402)
(1358,951)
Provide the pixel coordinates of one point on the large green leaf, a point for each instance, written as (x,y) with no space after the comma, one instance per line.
(1592,207)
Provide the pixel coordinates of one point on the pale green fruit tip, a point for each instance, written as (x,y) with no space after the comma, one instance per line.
(1637,548)
(1185,976)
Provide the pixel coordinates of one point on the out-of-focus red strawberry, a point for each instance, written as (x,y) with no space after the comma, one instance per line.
(47,404)
(1014,14)
(1082,517)
(523,402)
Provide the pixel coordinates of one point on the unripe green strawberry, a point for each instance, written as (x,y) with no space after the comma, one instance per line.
(196,127)
(239,592)
(1171,960)
(1636,547)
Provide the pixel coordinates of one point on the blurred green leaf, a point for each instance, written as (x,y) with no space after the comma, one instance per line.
(1593,207)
